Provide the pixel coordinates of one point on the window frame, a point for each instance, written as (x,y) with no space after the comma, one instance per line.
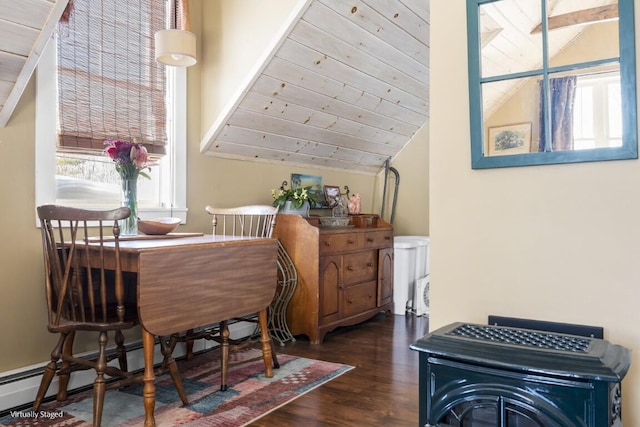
(629,148)
(173,196)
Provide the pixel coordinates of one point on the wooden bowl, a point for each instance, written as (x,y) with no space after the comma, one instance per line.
(158,225)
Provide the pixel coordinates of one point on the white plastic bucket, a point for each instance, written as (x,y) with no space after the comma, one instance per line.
(411,262)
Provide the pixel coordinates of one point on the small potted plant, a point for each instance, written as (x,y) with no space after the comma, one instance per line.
(293,201)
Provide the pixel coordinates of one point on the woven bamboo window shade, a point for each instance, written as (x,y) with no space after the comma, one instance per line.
(109,84)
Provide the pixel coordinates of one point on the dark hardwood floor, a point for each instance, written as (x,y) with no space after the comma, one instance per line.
(381,390)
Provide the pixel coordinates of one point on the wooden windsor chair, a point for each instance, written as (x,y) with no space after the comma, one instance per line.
(254,221)
(85,291)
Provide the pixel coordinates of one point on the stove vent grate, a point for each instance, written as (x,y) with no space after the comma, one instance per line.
(527,338)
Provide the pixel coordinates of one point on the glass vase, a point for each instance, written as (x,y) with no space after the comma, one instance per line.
(340,210)
(129,226)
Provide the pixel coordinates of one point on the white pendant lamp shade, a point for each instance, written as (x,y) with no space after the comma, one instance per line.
(176,47)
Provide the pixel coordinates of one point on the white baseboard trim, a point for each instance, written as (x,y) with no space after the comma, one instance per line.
(19,387)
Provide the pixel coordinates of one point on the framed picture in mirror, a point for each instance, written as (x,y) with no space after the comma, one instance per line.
(509,139)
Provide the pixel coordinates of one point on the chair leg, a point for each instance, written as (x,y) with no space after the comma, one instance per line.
(170,363)
(267,344)
(65,367)
(274,355)
(49,372)
(121,351)
(224,354)
(189,345)
(99,383)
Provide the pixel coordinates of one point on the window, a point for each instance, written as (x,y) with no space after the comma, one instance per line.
(597,115)
(70,167)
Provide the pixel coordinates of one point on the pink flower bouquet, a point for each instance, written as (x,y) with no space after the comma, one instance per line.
(130,158)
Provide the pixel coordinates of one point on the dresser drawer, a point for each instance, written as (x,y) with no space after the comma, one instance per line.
(331,243)
(377,239)
(360,267)
(359,298)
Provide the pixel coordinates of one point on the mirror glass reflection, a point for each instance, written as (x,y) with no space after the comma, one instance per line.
(550,81)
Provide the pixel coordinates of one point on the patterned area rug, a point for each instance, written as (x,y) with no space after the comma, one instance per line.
(249,397)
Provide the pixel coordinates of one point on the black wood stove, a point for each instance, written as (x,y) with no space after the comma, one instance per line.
(487,376)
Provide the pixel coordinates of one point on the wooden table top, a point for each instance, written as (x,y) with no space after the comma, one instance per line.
(143,241)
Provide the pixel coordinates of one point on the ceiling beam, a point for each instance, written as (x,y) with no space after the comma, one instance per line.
(580,17)
(24,74)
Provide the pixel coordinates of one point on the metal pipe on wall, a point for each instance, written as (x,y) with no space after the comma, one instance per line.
(393,170)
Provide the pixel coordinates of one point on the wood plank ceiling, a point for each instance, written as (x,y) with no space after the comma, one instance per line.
(25,28)
(347,87)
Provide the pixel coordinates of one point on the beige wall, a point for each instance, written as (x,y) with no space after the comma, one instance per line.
(557,242)
(412,205)
(210,181)
(22,308)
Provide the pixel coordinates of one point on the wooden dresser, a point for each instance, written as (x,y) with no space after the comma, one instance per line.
(345,275)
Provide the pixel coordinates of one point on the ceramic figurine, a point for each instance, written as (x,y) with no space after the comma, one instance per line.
(354,204)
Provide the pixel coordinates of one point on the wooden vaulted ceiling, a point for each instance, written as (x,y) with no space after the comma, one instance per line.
(25,28)
(347,87)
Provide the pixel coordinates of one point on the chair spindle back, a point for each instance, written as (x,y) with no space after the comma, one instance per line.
(245,221)
(84,286)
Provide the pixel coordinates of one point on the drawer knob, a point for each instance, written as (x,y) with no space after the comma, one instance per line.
(351,241)
(387,238)
(350,268)
(350,300)
(370,240)
(369,264)
(327,243)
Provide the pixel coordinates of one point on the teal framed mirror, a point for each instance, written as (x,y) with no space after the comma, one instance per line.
(551,81)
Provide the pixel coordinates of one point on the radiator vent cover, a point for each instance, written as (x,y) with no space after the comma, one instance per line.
(527,350)
(523,337)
